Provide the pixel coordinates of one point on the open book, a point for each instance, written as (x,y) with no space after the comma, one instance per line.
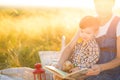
(74,75)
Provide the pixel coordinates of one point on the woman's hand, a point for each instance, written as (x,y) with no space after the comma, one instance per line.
(95,70)
(74,69)
(59,66)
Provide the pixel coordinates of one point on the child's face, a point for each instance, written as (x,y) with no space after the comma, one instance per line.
(87,33)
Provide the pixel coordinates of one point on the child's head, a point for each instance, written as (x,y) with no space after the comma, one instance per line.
(89,26)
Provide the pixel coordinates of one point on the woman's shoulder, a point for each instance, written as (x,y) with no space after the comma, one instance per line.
(117,18)
(104,29)
(118,28)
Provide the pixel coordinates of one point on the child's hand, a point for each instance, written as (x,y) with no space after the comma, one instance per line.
(58,66)
(67,66)
(74,69)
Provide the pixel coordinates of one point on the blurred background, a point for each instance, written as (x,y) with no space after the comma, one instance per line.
(27,27)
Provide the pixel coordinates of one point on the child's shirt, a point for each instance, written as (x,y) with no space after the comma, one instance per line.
(85,54)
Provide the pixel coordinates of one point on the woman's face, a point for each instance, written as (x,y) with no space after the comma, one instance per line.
(104,7)
(87,33)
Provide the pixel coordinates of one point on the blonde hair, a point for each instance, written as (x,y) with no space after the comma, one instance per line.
(89,21)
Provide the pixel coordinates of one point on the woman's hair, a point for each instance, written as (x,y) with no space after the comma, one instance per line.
(89,21)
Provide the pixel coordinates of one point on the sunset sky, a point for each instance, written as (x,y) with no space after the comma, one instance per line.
(51,3)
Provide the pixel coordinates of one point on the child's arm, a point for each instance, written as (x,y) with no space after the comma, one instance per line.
(68,49)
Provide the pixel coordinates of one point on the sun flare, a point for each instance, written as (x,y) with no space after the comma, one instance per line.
(48,3)
(52,3)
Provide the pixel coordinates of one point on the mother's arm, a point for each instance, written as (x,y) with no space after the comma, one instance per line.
(114,63)
(96,69)
(66,52)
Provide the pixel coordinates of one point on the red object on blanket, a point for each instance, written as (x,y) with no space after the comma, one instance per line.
(39,73)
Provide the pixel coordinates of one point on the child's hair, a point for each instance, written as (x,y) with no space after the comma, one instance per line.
(89,21)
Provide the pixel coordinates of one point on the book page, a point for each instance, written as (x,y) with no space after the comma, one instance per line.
(77,74)
(56,71)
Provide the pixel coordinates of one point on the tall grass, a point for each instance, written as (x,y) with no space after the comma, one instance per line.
(23,33)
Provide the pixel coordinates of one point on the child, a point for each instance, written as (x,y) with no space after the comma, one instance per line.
(86,50)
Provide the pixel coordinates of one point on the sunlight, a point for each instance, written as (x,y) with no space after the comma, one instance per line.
(51,3)
(117,4)
(48,3)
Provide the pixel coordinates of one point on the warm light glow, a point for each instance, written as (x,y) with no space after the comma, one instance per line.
(117,4)
(66,18)
(48,3)
(52,3)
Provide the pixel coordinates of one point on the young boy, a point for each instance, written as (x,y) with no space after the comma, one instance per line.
(86,50)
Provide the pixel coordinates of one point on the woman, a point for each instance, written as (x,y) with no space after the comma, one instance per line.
(108,39)
(108,67)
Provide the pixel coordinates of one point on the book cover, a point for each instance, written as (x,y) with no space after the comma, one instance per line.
(74,75)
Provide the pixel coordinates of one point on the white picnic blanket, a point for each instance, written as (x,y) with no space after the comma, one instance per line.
(21,73)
